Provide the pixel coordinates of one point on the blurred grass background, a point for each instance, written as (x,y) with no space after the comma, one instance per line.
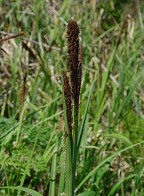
(30,139)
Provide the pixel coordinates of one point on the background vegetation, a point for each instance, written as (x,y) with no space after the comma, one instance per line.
(111,157)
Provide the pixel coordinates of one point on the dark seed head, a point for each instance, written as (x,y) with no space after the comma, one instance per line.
(73,44)
(74,64)
(68,101)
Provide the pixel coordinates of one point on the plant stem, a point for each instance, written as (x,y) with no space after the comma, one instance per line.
(75,145)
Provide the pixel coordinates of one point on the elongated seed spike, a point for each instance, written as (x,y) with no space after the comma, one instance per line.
(68,100)
(73,44)
(74,64)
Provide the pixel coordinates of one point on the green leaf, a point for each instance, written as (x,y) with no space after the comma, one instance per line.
(118,185)
(85,115)
(101,173)
(53,174)
(120,137)
(108,159)
(24,189)
(88,193)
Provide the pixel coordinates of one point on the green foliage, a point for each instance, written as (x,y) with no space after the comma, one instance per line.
(133,127)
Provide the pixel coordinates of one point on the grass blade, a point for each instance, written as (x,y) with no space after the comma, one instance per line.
(109,159)
(85,115)
(24,189)
(118,184)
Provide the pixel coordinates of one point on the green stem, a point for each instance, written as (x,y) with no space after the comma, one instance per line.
(75,145)
(69,173)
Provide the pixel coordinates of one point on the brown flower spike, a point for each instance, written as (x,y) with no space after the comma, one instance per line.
(74,64)
(72,86)
(68,100)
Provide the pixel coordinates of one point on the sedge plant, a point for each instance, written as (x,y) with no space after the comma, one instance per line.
(71,87)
